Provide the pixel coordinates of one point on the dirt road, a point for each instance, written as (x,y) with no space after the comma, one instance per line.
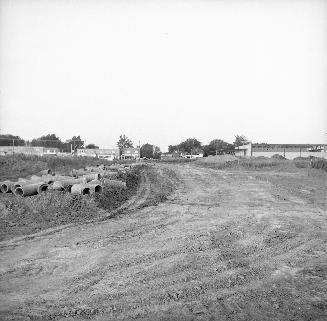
(226,245)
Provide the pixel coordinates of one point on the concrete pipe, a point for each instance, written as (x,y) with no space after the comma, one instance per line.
(66,184)
(112,182)
(49,179)
(91,177)
(81,189)
(77,172)
(94,188)
(6,186)
(42,188)
(109,174)
(57,186)
(35,178)
(72,181)
(31,189)
(21,182)
(96,181)
(45,172)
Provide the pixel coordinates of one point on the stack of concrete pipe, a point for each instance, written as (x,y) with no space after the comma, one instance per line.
(23,187)
(83,181)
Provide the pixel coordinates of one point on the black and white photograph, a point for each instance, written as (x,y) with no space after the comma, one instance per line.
(163,160)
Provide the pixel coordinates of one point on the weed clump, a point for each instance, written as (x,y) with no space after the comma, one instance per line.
(301,162)
(114,196)
(319,163)
(278,156)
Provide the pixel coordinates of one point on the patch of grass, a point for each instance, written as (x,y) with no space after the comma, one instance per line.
(26,215)
(225,162)
(163,184)
(254,162)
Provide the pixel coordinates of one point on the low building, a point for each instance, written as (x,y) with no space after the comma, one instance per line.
(166,156)
(289,151)
(29,150)
(86,152)
(130,153)
(192,155)
(108,153)
(244,150)
(50,151)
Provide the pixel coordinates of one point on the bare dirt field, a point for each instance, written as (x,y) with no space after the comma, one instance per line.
(228,244)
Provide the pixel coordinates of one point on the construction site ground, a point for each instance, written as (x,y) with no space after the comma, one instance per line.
(228,244)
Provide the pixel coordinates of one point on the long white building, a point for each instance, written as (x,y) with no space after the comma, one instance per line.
(289,151)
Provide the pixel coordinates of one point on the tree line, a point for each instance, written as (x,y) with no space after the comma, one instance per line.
(215,147)
(147,150)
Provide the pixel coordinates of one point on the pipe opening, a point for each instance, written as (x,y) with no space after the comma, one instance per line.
(97,189)
(16,186)
(19,191)
(4,188)
(86,191)
(43,188)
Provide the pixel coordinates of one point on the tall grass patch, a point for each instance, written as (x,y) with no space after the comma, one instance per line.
(32,214)
(114,196)
(319,163)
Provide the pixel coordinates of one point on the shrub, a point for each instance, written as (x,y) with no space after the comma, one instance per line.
(301,162)
(278,156)
(114,196)
(319,163)
(111,197)
(254,162)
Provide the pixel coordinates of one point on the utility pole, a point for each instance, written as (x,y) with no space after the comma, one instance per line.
(139,151)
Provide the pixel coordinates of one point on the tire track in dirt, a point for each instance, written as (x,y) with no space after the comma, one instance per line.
(220,248)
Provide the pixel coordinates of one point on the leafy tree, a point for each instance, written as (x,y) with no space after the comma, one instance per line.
(76,142)
(50,140)
(91,146)
(240,140)
(124,142)
(156,152)
(217,147)
(173,148)
(146,151)
(190,145)
(150,151)
(10,140)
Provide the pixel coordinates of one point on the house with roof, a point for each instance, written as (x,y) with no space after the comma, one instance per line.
(130,153)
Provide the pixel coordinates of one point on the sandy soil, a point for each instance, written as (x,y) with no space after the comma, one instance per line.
(226,245)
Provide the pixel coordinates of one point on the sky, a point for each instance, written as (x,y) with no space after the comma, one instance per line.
(163,71)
